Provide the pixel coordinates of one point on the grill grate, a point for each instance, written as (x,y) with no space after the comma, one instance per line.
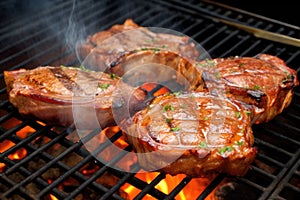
(37,36)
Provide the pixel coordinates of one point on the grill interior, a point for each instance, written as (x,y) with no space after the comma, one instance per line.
(52,161)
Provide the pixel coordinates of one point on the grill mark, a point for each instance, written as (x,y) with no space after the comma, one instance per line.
(65,79)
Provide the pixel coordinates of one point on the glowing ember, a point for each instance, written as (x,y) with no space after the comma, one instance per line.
(52,197)
(166,185)
(4,146)
(24,132)
(2,166)
(190,191)
(20,153)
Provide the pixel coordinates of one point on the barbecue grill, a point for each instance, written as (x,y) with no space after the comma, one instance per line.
(39,161)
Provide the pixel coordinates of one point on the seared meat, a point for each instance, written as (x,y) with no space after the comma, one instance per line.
(264,81)
(208,130)
(196,134)
(102,52)
(93,41)
(58,94)
(162,67)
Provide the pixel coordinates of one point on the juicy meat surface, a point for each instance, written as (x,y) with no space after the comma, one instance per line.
(107,49)
(264,81)
(57,95)
(196,134)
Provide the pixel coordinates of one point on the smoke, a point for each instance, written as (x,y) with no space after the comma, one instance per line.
(48,32)
(75,33)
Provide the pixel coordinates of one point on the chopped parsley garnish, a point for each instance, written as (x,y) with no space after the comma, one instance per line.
(217,75)
(206,118)
(256,87)
(238,114)
(113,76)
(207,63)
(103,86)
(168,120)
(225,149)
(210,63)
(248,113)
(176,128)
(176,94)
(156,49)
(241,64)
(203,144)
(239,143)
(288,78)
(168,107)
(83,68)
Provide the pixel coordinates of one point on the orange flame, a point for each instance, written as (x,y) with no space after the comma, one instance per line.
(167,185)
(190,191)
(7,144)
(51,196)
(18,155)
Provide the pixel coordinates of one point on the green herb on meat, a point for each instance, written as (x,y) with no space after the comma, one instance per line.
(238,114)
(103,86)
(225,149)
(248,113)
(256,87)
(113,76)
(168,107)
(203,144)
(176,128)
(239,143)
(168,120)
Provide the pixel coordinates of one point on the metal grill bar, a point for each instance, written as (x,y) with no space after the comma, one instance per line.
(18,27)
(120,183)
(179,187)
(48,39)
(211,187)
(96,175)
(150,187)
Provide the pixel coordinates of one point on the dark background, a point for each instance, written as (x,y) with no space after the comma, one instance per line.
(283,10)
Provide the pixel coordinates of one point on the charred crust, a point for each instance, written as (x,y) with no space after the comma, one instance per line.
(118,60)
(256,94)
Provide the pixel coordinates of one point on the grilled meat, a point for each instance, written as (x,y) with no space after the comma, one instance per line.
(58,94)
(196,134)
(163,67)
(107,49)
(264,81)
